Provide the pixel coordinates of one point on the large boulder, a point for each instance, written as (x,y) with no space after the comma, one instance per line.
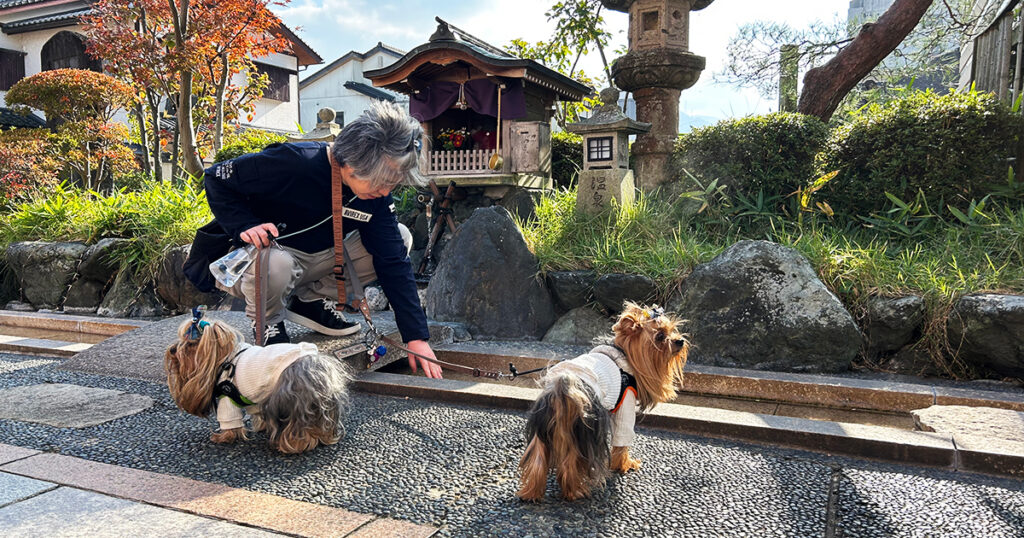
(9,287)
(580,326)
(44,270)
(488,279)
(99,263)
(613,289)
(571,289)
(760,305)
(988,330)
(892,322)
(177,291)
(129,298)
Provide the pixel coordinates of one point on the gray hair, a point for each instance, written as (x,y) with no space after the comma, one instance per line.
(383,146)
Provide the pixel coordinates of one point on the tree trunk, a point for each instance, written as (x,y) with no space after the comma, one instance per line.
(826,86)
(140,116)
(186,130)
(154,112)
(218,132)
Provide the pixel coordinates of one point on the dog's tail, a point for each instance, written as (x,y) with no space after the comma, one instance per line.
(567,429)
(307,406)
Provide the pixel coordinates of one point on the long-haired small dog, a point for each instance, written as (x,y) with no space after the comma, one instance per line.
(298,396)
(595,396)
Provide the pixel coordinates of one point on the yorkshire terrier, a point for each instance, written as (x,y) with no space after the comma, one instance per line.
(595,396)
(298,396)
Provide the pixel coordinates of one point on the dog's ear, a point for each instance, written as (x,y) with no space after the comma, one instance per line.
(629,324)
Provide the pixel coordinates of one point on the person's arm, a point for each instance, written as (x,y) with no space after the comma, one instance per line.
(383,242)
(226,187)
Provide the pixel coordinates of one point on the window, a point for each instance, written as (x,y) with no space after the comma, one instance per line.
(12,68)
(278,82)
(599,148)
(67,51)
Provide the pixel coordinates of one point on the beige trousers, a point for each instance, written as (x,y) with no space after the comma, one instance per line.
(306,276)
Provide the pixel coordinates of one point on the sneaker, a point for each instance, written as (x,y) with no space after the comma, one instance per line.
(321,316)
(274,334)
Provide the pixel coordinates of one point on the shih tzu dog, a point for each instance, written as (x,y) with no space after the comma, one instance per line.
(582,424)
(291,391)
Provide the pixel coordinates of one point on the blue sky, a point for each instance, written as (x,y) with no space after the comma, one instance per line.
(335,27)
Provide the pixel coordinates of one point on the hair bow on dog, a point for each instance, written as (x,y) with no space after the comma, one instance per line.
(416,143)
(198,323)
(654,313)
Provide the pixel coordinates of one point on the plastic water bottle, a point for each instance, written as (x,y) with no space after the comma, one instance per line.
(229,268)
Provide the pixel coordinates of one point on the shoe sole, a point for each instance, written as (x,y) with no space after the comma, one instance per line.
(310,324)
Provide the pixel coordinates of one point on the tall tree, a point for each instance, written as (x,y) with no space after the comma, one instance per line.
(927,54)
(826,86)
(190,52)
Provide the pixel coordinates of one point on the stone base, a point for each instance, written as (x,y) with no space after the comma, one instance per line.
(597,189)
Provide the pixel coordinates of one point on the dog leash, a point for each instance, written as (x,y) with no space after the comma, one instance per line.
(375,343)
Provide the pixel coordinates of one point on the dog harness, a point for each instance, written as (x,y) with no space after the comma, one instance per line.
(628,383)
(226,387)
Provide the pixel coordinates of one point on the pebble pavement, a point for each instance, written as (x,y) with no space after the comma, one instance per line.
(454,467)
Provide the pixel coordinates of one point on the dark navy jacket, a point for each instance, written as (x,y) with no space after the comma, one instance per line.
(291,184)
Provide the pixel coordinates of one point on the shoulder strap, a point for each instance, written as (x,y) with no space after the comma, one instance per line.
(341,258)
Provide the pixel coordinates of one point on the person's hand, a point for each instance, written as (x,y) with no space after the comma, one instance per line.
(421,347)
(259,235)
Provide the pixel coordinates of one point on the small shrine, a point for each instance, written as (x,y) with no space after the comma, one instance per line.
(488,113)
(606,175)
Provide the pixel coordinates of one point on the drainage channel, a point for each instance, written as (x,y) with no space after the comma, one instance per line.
(58,335)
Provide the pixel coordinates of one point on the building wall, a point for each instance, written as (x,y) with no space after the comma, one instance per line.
(273,114)
(330,91)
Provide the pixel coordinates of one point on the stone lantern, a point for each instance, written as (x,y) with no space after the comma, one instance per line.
(606,174)
(656,69)
(326,130)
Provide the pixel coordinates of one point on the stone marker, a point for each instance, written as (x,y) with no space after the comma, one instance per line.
(69,406)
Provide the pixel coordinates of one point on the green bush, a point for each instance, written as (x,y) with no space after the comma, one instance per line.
(566,158)
(248,141)
(952,148)
(155,218)
(772,155)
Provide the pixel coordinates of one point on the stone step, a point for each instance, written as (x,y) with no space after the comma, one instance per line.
(789,388)
(55,334)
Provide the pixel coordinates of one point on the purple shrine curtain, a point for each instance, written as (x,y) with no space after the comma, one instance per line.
(481,95)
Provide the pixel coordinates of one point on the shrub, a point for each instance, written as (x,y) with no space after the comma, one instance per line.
(71,95)
(248,141)
(952,148)
(566,158)
(26,164)
(771,155)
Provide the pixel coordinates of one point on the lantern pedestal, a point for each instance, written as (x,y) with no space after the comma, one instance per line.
(597,189)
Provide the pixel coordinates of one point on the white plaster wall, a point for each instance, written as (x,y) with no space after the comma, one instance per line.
(330,91)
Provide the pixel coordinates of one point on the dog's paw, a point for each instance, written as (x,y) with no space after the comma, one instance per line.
(630,465)
(226,436)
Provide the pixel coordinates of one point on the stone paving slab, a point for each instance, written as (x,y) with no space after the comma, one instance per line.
(68,406)
(15,488)
(212,500)
(9,453)
(72,512)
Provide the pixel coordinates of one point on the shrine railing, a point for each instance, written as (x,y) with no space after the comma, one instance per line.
(472,161)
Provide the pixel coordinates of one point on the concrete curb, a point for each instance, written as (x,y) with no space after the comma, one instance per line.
(856,440)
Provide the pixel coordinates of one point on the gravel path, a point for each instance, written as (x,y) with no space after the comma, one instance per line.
(454,467)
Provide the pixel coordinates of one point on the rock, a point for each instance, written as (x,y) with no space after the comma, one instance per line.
(84,297)
(497,192)
(178,292)
(488,280)
(988,330)
(579,326)
(420,232)
(44,270)
(760,305)
(9,288)
(893,322)
(98,262)
(128,298)
(521,203)
(612,289)
(19,306)
(571,289)
(464,208)
(987,422)
(910,361)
